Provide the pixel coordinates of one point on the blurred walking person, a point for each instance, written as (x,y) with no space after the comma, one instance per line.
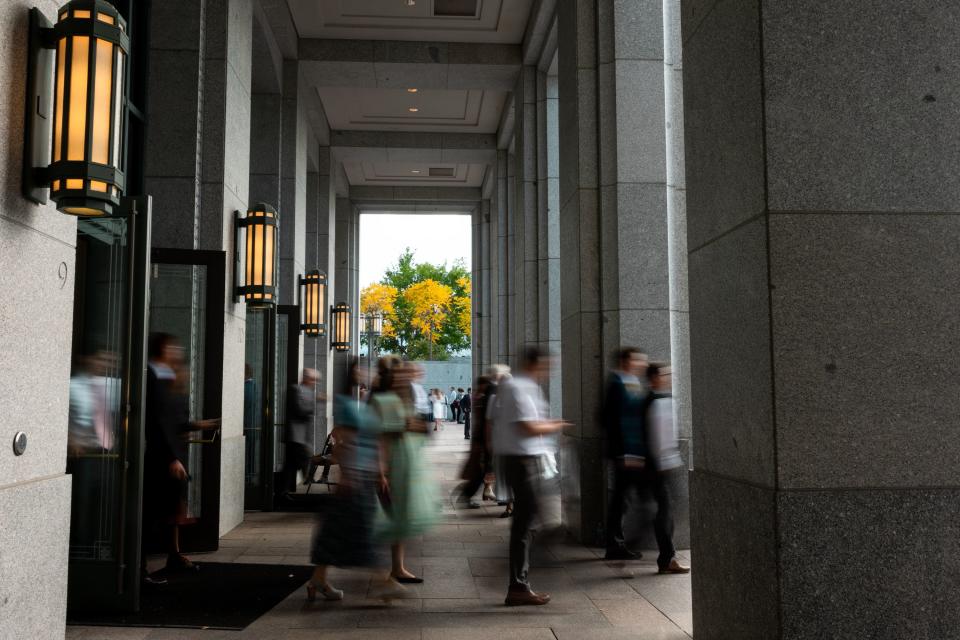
(436,401)
(166,455)
(498,374)
(407,492)
(345,535)
(478,467)
(663,460)
(298,446)
(522,421)
(624,410)
(466,403)
(452,404)
(421,400)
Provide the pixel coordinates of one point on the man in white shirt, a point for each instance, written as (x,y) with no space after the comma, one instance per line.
(522,421)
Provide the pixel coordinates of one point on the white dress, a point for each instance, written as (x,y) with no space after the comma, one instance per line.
(439,409)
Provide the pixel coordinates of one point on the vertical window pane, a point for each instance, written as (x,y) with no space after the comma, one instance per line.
(103,83)
(257,255)
(76,129)
(268,257)
(117,112)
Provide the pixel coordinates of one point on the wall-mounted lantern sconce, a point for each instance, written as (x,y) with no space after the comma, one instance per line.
(74,142)
(340,324)
(256,236)
(313,295)
(372,324)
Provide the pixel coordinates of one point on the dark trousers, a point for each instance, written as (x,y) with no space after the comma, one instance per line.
(640,480)
(297,458)
(466,424)
(523,477)
(456,414)
(473,483)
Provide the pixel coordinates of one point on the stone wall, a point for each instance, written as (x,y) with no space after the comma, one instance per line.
(443,374)
(37,256)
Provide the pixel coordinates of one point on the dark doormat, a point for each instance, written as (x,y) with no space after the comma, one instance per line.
(218,596)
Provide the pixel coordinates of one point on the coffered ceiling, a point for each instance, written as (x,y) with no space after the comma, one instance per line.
(466,111)
(397,174)
(412,67)
(501,21)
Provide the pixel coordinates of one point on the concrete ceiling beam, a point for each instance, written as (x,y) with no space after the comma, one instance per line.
(400,65)
(425,198)
(404,146)
(542,17)
(507,123)
(404,52)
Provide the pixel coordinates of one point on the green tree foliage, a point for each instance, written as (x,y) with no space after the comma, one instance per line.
(429,314)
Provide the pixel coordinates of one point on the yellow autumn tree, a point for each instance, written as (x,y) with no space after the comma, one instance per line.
(380,298)
(462,306)
(430,303)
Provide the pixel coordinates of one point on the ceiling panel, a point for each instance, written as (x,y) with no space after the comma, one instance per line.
(466,111)
(395,174)
(499,21)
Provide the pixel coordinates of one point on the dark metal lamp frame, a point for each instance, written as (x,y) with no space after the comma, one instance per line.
(312,288)
(340,327)
(262,220)
(51,48)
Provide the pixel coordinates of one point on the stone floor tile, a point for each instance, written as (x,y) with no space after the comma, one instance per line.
(464,564)
(617,633)
(639,613)
(106,633)
(457,633)
(489,567)
(398,633)
(671,595)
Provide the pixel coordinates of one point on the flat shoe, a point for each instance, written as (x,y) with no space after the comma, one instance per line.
(674,567)
(526,598)
(410,580)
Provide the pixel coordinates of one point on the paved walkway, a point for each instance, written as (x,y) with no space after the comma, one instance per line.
(464,564)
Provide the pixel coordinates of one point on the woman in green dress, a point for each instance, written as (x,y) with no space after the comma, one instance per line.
(407,492)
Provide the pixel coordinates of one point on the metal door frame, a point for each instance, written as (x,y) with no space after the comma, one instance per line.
(205,535)
(261,499)
(293,359)
(115,586)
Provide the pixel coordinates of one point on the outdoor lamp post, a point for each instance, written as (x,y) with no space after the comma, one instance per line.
(255,267)
(375,324)
(75,155)
(313,293)
(340,327)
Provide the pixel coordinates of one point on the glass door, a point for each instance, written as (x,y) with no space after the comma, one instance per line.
(105,429)
(187,294)
(286,374)
(258,400)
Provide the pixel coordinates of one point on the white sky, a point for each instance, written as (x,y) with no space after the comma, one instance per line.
(433,238)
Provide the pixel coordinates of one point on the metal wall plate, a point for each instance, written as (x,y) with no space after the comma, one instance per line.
(38,116)
(19,443)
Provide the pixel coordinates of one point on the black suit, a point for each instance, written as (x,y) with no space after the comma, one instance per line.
(165,421)
(300,409)
(465,410)
(625,418)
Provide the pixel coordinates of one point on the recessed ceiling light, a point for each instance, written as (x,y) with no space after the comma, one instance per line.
(411,3)
(413,109)
(414,170)
(412,90)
